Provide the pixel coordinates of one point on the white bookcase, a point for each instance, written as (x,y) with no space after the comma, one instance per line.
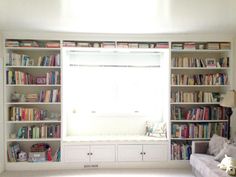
(203,71)
(33,114)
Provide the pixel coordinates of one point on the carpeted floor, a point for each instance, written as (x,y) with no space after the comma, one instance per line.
(103,173)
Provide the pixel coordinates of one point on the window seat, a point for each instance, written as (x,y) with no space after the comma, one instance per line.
(126,138)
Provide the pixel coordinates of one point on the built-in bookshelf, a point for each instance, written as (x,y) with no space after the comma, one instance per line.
(32,103)
(200,74)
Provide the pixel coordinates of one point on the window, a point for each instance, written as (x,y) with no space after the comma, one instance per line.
(112,93)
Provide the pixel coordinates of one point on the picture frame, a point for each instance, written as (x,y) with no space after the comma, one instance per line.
(31,62)
(211,62)
(41,80)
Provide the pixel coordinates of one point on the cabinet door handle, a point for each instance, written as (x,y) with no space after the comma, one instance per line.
(141,153)
(88,153)
(91,153)
(144,153)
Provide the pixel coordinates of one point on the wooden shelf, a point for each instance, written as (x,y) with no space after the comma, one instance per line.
(33,48)
(200,68)
(200,86)
(197,121)
(33,103)
(34,67)
(32,85)
(34,122)
(199,50)
(191,139)
(195,103)
(38,139)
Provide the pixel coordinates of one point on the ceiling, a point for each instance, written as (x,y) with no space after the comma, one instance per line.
(119,16)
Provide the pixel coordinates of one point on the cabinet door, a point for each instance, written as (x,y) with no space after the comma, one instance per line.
(130,153)
(75,153)
(102,153)
(155,152)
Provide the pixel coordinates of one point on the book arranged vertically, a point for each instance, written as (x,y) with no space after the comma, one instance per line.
(39,131)
(198,130)
(198,113)
(196,96)
(200,79)
(181,151)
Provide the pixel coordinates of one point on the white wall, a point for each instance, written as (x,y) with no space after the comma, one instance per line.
(1,107)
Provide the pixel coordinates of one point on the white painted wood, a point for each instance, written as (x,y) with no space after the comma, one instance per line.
(155,152)
(126,153)
(76,153)
(102,153)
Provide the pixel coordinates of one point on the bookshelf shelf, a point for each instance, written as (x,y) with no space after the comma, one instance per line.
(32,85)
(199,75)
(39,139)
(33,48)
(211,86)
(197,121)
(195,103)
(33,103)
(32,74)
(198,50)
(200,68)
(34,67)
(190,139)
(34,122)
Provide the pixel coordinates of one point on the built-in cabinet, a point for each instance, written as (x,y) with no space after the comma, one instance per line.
(89,153)
(115,153)
(138,153)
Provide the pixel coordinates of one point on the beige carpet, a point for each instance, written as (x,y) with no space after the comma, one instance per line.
(103,173)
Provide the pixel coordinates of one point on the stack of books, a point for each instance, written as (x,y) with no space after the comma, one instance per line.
(225,45)
(213,46)
(162,45)
(69,44)
(177,46)
(12,43)
(189,45)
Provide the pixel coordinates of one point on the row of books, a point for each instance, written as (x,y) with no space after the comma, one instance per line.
(27,114)
(39,131)
(51,60)
(52,96)
(19,77)
(13,150)
(201,45)
(53,78)
(197,96)
(199,62)
(199,113)
(199,79)
(23,78)
(32,43)
(199,130)
(180,151)
(112,44)
(15,59)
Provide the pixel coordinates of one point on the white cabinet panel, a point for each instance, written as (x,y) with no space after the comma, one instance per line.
(128,153)
(155,152)
(73,153)
(102,153)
